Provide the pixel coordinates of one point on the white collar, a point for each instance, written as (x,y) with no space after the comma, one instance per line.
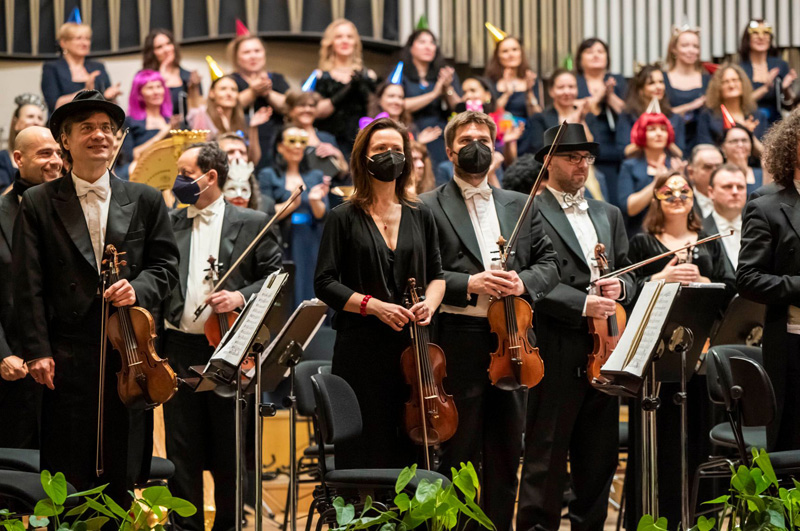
(102,182)
(464,185)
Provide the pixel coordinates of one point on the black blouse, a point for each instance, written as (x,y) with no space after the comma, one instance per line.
(353,257)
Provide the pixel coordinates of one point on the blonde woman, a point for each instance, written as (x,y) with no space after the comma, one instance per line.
(72,72)
(685,80)
(730,87)
(343,83)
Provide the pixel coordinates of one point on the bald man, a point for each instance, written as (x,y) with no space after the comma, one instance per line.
(38,157)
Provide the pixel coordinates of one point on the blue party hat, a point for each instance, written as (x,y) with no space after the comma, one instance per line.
(397,74)
(75,16)
(311,83)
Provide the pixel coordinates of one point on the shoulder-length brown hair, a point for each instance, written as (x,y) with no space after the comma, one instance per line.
(326,60)
(634,101)
(714,91)
(237,121)
(653,222)
(374,103)
(672,60)
(494,70)
(149,61)
(428,181)
(363,195)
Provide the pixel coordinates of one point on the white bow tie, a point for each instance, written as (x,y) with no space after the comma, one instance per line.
(726,226)
(577,200)
(205,214)
(82,188)
(472,191)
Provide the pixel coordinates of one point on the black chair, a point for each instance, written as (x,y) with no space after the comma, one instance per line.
(321,347)
(339,420)
(21,490)
(737,381)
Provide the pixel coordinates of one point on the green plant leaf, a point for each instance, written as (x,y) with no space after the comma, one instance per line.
(14,525)
(705,524)
(388,526)
(54,486)
(761,459)
(115,508)
(94,524)
(155,495)
(402,501)
(427,491)
(344,512)
(742,481)
(646,523)
(182,507)
(35,521)
(5,513)
(721,499)
(78,510)
(405,478)
(46,507)
(99,507)
(466,480)
(89,492)
(367,505)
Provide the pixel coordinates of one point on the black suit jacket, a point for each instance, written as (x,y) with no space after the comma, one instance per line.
(9,205)
(535,261)
(239,227)
(54,270)
(710,228)
(769,273)
(563,306)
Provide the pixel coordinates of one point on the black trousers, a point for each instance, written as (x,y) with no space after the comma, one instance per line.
(783,369)
(567,417)
(490,421)
(200,435)
(20,402)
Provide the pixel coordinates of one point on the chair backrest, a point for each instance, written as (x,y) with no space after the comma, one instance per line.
(713,368)
(338,411)
(304,389)
(321,347)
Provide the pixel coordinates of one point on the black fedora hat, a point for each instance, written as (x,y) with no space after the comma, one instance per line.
(85,100)
(574,139)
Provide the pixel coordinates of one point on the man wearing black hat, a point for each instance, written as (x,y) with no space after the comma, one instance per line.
(59,237)
(566,415)
(470,217)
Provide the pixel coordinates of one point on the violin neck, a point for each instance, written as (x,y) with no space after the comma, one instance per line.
(222,319)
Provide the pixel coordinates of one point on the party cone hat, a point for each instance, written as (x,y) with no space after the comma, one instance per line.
(214,69)
(654,107)
(568,63)
(241,29)
(497,34)
(311,83)
(423,23)
(75,16)
(397,74)
(727,118)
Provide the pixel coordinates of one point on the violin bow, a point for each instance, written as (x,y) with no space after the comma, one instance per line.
(615,274)
(539,179)
(200,309)
(118,150)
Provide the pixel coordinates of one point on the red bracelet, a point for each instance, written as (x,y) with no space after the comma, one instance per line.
(364,302)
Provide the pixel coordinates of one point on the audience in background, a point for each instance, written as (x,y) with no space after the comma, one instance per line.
(513,80)
(685,80)
(322,152)
(730,87)
(737,147)
(150,116)
(161,53)
(30,111)
(703,161)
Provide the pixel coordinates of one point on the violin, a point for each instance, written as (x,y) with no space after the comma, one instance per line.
(145,380)
(606,331)
(515,363)
(219,323)
(430,415)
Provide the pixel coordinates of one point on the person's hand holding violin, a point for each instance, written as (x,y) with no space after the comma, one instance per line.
(224,301)
(120,293)
(610,288)
(676,272)
(422,313)
(496,283)
(393,315)
(598,307)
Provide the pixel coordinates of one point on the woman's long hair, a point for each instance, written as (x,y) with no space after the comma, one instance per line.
(714,91)
(654,221)
(494,70)
(409,70)
(136,106)
(149,61)
(326,59)
(237,122)
(635,102)
(374,103)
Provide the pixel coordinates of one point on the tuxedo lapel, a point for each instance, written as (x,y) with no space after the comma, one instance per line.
(231,225)
(507,215)
(120,213)
(182,227)
(601,226)
(554,214)
(454,207)
(788,205)
(8,212)
(68,208)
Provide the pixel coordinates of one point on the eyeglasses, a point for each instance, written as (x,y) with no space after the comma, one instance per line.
(574,158)
(295,140)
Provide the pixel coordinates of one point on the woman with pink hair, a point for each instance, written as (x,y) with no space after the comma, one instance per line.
(150,116)
(653,139)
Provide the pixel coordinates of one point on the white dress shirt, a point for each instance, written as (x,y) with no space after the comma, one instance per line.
(704,202)
(483,215)
(206,235)
(95,198)
(731,244)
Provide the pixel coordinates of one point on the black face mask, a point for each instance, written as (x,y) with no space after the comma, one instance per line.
(475,157)
(386,166)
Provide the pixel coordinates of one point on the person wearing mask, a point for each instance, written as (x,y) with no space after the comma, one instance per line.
(770,75)
(30,111)
(162,54)
(258,89)
(38,159)
(767,274)
(432,89)
(684,80)
(513,79)
(730,87)
(470,217)
(703,160)
(241,188)
(60,235)
(566,416)
(199,427)
(343,82)
(63,78)
(727,190)
(372,244)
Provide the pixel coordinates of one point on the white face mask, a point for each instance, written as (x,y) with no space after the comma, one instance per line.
(234,189)
(238,183)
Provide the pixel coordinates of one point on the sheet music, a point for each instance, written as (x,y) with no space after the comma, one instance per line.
(231,351)
(616,362)
(652,332)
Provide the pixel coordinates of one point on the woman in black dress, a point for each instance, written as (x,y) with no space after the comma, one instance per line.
(371,246)
(162,54)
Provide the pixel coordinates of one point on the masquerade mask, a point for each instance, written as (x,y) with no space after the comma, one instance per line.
(235,189)
(759,28)
(675,189)
(238,183)
(295,140)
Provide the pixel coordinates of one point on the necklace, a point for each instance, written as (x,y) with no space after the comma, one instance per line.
(381,220)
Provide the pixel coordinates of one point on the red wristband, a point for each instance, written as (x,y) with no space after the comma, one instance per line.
(364,302)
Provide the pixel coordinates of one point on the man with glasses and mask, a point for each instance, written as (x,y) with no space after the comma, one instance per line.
(470,217)
(199,427)
(60,235)
(704,159)
(567,417)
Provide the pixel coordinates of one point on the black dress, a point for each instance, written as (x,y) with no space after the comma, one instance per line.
(700,411)
(354,257)
(343,122)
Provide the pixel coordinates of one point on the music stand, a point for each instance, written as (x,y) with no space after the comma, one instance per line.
(280,357)
(742,324)
(681,324)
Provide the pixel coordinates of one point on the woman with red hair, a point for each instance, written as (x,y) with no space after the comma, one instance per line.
(653,139)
